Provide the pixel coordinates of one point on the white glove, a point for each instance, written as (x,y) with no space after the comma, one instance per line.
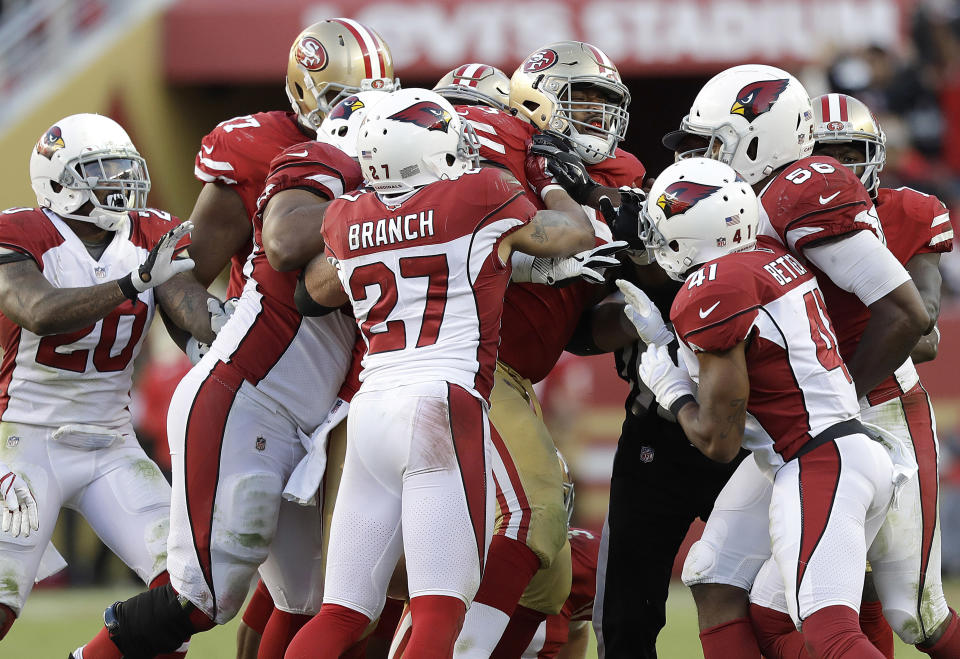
(644,315)
(19,507)
(666,380)
(588,265)
(220,313)
(160,264)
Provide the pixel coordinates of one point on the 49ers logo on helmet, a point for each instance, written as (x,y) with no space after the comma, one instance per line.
(311,54)
(835,125)
(540,60)
(425,114)
(758,97)
(681,196)
(50,143)
(345,108)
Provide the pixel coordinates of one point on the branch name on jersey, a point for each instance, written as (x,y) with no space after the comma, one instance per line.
(82,376)
(429,303)
(267,342)
(237,153)
(799,385)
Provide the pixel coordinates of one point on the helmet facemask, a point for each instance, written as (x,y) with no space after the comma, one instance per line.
(115,182)
(593,127)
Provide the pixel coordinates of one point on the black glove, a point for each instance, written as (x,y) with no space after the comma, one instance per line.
(625,222)
(566,167)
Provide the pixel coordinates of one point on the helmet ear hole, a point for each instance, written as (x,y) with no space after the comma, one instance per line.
(531,105)
(56,187)
(299,90)
(752,148)
(451,159)
(674,246)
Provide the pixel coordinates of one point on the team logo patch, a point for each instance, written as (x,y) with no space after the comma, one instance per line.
(100,272)
(646,454)
(758,97)
(540,60)
(426,114)
(721,242)
(261,444)
(311,54)
(835,125)
(346,107)
(681,196)
(50,143)
(13,441)
(378,83)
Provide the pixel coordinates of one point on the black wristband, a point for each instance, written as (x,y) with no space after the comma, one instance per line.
(305,304)
(680,402)
(127,288)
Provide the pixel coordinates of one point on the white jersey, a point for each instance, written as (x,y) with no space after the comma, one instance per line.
(425,279)
(84,376)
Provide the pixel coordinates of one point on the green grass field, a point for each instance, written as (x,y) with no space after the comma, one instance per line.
(56,621)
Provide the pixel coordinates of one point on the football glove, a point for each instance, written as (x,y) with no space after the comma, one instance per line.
(644,315)
(20,514)
(566,167)
(160,264)
(668,382)
(625,220)
(588,265)
(220,313)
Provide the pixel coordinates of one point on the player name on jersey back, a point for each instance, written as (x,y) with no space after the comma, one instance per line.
(390,230)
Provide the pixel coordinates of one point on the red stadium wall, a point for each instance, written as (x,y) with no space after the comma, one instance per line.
(247,40)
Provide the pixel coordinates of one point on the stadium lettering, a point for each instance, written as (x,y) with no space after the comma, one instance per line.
(391,230)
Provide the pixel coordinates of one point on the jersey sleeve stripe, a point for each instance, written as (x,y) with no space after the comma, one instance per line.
(828,209)
(721,321)
(217,165)
(207,178)
(940,219)
(18,249)
(942,237)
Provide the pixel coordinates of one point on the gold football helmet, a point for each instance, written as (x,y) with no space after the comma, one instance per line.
(331,60)
(476,84)
(572,88)
(838,119)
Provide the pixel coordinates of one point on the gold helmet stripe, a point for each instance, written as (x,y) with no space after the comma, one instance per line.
(372,55)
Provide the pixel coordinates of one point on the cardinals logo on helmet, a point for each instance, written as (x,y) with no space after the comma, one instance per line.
(426,114)
(345,108)
(311,54)
(50,143)
(540,60)
(758,97)
(681,196)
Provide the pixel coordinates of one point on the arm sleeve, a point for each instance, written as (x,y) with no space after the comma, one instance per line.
(860,264)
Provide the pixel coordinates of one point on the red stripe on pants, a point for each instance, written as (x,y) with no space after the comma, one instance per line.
(467,427)
(201,457)
(916,410)
(819,477)
(523,528)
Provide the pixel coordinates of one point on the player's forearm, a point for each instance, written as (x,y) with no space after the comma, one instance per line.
(927,347)
(897,321)
(291,229)
(63,310)
(717,433)
(924,270)
(184,301)
(221,229)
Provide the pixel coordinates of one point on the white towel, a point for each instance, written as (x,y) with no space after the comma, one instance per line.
(904,464)
(305,480)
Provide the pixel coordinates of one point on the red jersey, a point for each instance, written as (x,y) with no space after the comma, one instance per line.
(553,633)
(425,279)
(799,385)
(267,340)
(538,320)
(238,153)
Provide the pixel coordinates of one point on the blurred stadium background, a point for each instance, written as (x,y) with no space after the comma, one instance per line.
(169,70)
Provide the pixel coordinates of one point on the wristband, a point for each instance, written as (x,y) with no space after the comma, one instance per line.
(680,402)
(127,288)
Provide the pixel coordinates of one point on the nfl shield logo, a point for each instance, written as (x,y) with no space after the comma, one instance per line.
(13,441)
(646,454)
(261,444)
(100,272)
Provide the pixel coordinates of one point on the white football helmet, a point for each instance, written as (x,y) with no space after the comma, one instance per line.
(697,210)
(412,138)
(840,119)
(757,118)
(342,125)
(89,158)
(476,84)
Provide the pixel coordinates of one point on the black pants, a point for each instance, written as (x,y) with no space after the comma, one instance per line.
(660,484)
